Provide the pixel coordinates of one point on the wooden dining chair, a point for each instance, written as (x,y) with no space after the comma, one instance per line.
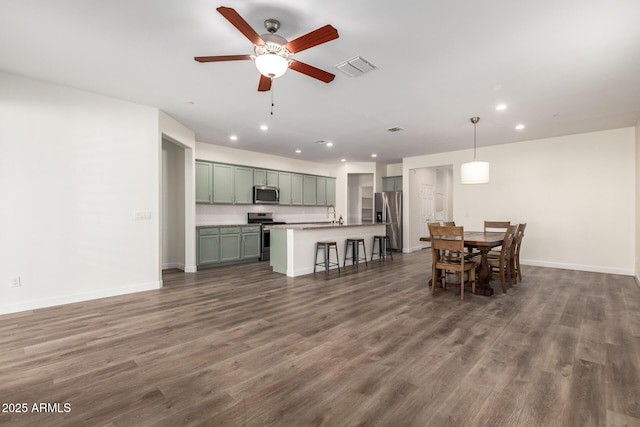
(516,273)
(447,250)
(501,264)
(500,226)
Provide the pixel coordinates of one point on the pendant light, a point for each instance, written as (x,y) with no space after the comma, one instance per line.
(474,172)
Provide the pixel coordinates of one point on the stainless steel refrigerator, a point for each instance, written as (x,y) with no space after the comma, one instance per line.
(388,209)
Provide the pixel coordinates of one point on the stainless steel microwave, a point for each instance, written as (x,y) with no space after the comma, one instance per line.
(266,195)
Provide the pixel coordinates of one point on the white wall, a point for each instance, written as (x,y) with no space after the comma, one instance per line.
(637,213)
(564,188)
(74,169)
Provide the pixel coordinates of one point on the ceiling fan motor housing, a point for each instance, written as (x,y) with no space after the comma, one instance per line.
(275,44)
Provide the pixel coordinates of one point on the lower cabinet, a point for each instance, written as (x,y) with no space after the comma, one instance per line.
(223,245)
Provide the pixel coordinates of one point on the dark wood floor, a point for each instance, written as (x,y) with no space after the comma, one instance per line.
(241,346)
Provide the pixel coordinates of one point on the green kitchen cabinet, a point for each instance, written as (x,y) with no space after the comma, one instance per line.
(230,239)
(297,189)
(222,183)
(204,182)
(284,181)
(243,185)
(331,191)
(272,179)
(208,247)
(250,242)
(265,177)
(309,190)
(392,183)
(259,177)
(321,191)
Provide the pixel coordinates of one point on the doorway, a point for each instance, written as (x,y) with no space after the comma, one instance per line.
(172,236)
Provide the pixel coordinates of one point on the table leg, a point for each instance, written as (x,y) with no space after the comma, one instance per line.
(484,275)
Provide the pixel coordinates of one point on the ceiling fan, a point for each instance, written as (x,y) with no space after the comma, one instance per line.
(273,52)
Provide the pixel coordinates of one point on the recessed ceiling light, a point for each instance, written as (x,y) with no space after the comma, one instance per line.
(233,138)
(298,151)
(343,160)
(329,144)
(374,155)
(519,127)
(264,127)
(501,107)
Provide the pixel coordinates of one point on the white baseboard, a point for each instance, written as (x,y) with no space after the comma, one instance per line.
(170,265)
(69,299)
(579,267)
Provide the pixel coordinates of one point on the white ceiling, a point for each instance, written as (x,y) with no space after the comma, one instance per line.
(562,67)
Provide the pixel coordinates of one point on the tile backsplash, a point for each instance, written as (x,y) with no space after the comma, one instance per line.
(237,214)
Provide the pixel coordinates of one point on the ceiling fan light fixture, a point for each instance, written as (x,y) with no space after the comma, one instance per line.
(271,65)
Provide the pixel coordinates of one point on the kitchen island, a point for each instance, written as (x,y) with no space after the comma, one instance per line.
(293,246)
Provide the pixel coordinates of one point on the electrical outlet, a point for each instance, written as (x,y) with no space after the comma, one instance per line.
(15,282)
(142,216)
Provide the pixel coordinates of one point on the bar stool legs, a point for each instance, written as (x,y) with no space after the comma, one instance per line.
(326,246)
(355,255)
(384,247)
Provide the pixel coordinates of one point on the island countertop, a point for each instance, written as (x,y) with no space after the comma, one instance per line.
(293,246)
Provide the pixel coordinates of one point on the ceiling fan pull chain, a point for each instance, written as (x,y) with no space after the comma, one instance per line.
(272,104)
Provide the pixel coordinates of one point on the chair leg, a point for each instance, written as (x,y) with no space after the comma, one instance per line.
(504,288)
(461,285)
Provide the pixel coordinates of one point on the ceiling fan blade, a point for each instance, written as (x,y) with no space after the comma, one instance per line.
(312,71)
(242,25)
(314,38)
(265,84)
(222,58)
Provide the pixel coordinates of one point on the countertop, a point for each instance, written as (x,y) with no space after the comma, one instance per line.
(319,223)
(316,226)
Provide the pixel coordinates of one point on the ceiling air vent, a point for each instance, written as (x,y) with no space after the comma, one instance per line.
(395,129)
(356,66)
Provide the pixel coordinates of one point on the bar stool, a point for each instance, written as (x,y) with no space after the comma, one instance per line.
(355,253)
(384,247)
(325,246)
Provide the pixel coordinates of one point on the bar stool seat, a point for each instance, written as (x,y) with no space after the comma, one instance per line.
(327,263)
(384,247)
(355,243)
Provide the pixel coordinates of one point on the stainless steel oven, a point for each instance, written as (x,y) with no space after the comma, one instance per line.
(265,219)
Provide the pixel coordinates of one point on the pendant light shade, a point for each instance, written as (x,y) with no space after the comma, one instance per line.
(474,172)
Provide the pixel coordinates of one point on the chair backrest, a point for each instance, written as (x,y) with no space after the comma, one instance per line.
(496,225)
(507,242)
(449,223)
(446,239)
(517,239)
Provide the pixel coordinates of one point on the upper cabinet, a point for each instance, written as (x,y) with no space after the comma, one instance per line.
(222,183)
(297,189)
(204,182)
(243,185)
(321,191)
(231,184)
(284,180)
(392,183)
(331,191)
(265,177)
(310,190)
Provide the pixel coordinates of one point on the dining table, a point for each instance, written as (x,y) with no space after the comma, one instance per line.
(483,242)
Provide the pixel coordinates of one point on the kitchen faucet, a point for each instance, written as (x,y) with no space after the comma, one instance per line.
(331,210)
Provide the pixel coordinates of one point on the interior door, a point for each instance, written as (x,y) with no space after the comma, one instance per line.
(427,210)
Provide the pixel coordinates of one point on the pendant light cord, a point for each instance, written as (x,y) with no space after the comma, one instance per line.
(474,120)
